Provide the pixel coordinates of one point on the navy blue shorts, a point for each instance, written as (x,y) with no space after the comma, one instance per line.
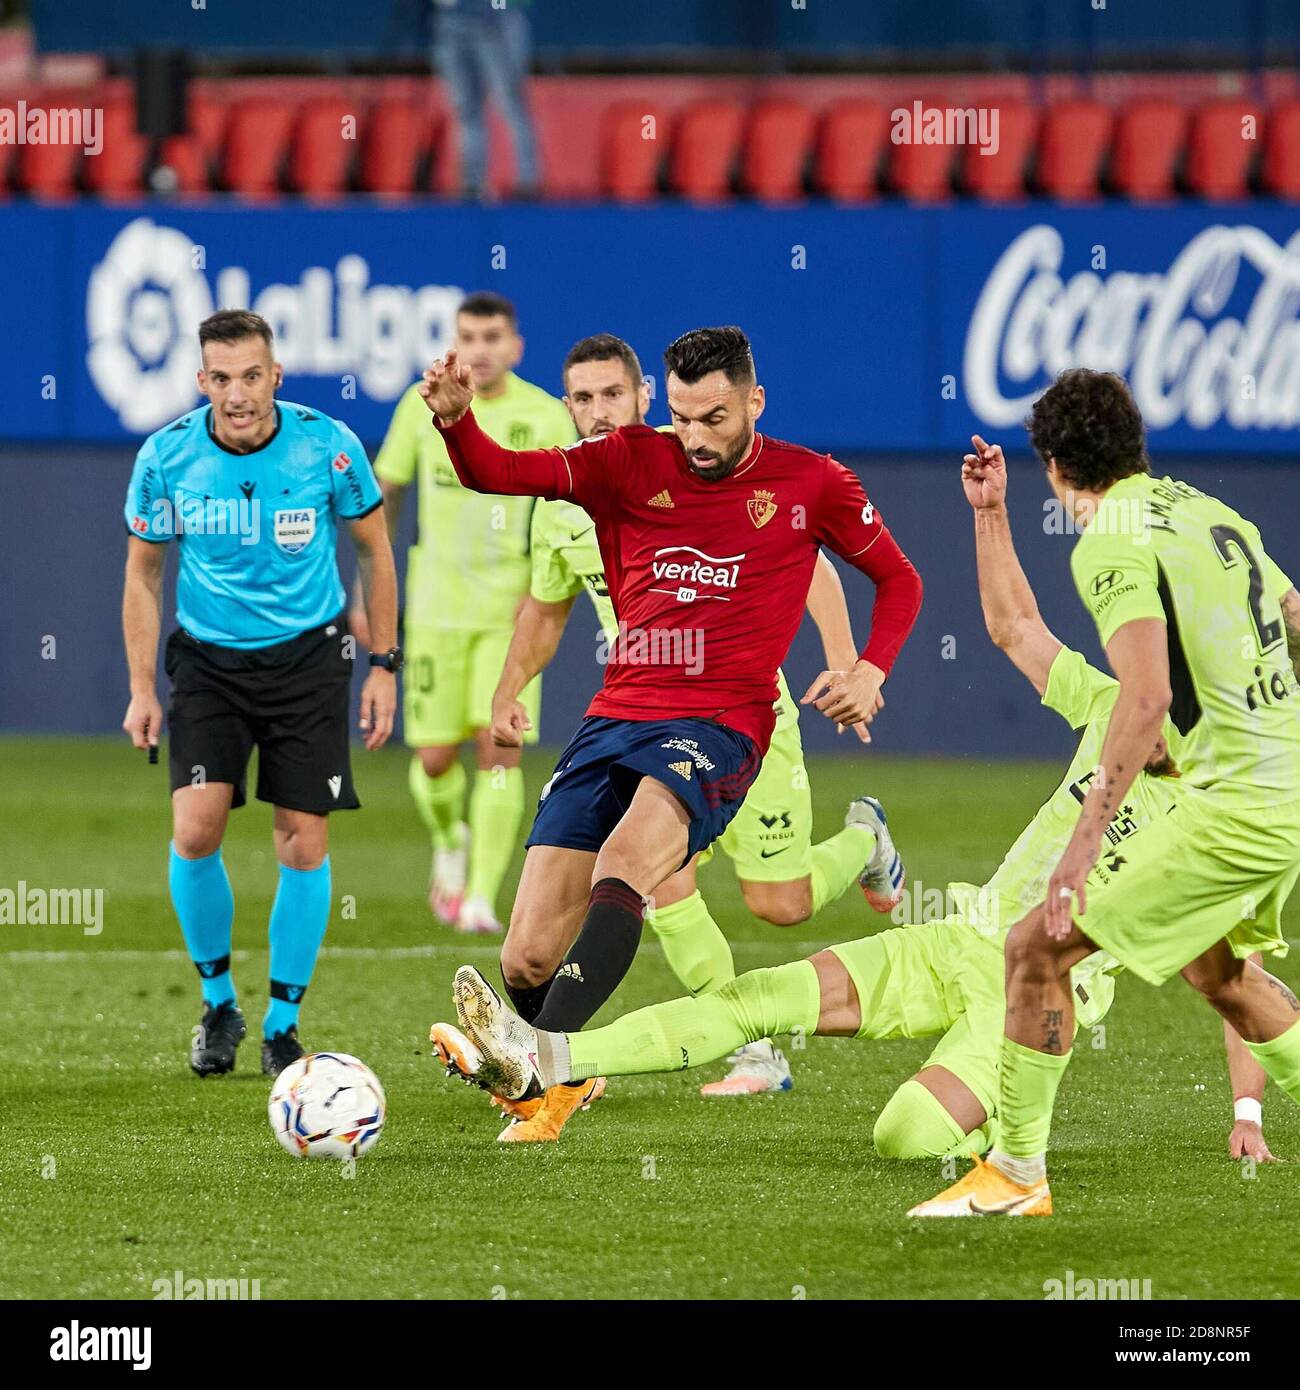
(706,765)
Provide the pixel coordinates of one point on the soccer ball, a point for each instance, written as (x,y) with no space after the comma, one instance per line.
(327,1105)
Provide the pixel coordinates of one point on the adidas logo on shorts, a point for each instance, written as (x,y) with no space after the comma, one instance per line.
(682,769)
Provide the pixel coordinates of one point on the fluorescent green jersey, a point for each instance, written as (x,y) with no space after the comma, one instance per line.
(470,566)
(1158,548)
(566,560)
(1084,697)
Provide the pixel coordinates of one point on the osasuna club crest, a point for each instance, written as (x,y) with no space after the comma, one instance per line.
(294,527)
(761,507)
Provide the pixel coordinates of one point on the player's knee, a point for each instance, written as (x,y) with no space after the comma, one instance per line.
(914,1124)
(437,761)
(525,962)
(781,904)
(196,837)
(1028,950)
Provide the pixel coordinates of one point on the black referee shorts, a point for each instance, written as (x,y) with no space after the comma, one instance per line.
(290,701)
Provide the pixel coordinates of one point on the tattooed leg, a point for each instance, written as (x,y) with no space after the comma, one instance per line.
(1040,1007)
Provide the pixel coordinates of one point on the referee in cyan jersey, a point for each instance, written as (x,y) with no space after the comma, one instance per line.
(252,488)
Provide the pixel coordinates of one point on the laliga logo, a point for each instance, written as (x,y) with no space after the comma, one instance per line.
(146,298)
(1167,333)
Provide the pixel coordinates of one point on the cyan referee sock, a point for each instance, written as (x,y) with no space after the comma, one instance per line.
(299,916)
(205,908)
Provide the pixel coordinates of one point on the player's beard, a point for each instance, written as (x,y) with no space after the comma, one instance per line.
(721,465)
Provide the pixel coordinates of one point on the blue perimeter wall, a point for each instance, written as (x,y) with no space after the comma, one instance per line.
(904,330)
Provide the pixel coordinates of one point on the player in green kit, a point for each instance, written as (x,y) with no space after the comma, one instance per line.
(941,978)
(784,878)
(465,579)
(1203,631)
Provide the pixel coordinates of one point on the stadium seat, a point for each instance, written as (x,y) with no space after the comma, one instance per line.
(633,138)
(1221,148)
(921,173)
(1000,177)
(847,161)
(704,150)
(48,170)
(1148,140)
(394,143)
(324,141)
(1072,145)
(257,140)
(1280,170)
(118,170)
(777,141)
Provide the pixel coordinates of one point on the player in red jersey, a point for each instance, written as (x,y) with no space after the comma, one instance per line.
(709,537)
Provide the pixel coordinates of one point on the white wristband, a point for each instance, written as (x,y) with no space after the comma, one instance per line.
(1249,1110)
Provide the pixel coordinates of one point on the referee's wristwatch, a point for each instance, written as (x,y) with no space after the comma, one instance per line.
(391,660)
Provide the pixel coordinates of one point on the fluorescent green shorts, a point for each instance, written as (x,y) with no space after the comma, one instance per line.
(1199,874)
(941,977)
(448,683)
(770,838)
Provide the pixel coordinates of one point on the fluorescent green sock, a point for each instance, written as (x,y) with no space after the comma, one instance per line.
(689,1032)
(496,806)
(1281,1059)
(693,944)
(837,862)
(440,801)
(1028,1091)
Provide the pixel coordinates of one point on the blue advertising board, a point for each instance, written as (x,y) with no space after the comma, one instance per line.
(884,329)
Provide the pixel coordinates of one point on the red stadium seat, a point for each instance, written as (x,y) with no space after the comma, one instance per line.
(118,170)
(1280,171)
(847,161)
(1221,148)
(1000,177)
(194,156)
(48,170)
(705,146)
(324,141)
(777,142)
(921,173)
(1148,140)
(395,142)
(1072,144)
(257,139)
(633,138)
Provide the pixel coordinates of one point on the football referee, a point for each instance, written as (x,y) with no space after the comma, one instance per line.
(252,488)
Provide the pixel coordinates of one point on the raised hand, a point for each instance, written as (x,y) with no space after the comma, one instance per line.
(446,388)
(984,475)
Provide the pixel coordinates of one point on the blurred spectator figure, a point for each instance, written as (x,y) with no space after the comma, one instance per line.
(482,45)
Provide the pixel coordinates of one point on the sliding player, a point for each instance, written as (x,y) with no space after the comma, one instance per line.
(784,878)
(1196,620)
(943,977)
(465,577)
(709,537)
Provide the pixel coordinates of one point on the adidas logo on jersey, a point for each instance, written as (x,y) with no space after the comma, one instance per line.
(682,769)
(661,499)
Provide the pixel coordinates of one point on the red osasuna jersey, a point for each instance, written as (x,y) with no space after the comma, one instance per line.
(708,579)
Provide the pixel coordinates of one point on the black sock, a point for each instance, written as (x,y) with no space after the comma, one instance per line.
(528,999)
(598,959)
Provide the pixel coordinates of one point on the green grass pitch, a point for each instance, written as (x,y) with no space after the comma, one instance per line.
(119,1167)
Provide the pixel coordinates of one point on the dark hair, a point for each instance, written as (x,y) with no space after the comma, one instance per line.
(485,304)
(602,347)
(703,350)
(232,326)
(1089,423)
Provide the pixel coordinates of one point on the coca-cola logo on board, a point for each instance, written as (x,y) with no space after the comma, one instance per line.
(1170,333)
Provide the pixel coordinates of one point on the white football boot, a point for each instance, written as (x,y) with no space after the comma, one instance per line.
(756,1068)
(477,918)
(506,1045)
(883,876)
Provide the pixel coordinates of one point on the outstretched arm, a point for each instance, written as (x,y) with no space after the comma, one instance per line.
(1010,609)
(538,629)
(481,463)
